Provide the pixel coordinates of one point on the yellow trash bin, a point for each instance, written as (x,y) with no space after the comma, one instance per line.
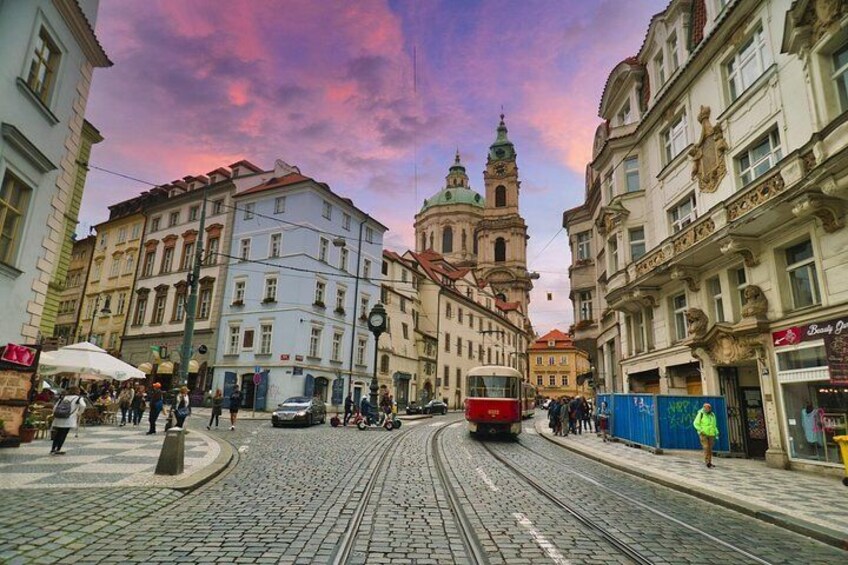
(842,441)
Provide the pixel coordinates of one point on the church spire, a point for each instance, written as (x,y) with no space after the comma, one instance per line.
(457,177)
(502,149)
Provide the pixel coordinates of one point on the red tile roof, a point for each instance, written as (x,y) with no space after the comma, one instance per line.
(562,341)
(221,171)
(699,20)
(247,164)
(275,182)
(507,306)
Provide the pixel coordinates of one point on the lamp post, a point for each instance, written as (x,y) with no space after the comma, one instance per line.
(340,242)
(105,311)
(191,301)
(377,325)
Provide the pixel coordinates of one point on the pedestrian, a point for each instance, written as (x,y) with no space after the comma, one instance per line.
(125,402)
(573,414)
(217,405)
(707,426)
(157,402)
(603,420)
(348,408)
(553,416)
(563,416)
(65,417)
(137,405)
(182,406)
(586,415)
(235,404)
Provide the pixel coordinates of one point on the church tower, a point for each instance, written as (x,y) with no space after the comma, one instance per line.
(501,235)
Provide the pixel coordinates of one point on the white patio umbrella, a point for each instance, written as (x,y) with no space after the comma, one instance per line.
(87,359)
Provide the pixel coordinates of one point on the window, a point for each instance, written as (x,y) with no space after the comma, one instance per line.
(564,380)
(140,307)
(500,196)
(840,75)
(459,316)
(320,289)
(179,306)
(448,311)
(122,303)
(173,219)
(167,260)
(270,294)
(346,222)
(279,204)
(369,234)
(714,289)
(447,342)
(212,251)
(136,231)
(95,272)
(314,342)
(122,235)
(159,308)
(678,306)
(470,350)
(759,158)
(675,138)
(539,380)
(265,334)
(672,52)
(204,302)
(115,267)
(233,341)
(366,269)
(637,332)
(43,66)
(447,240)
(154,224)
(659,68)
(624,115)
(584,246)
(612,252)
(343,253)
(218,207)
(458,377)
(551,361)
(552,380)
(149,259)
(193,213)
(585,301)
(14,199)
(683,214)
(403,304)
(244,250)
(188,256)
(631,174)
(249,209)
(746,66)
(327,211)
(361,345)
(238,291)
(129,264)
(276,244)
(609,185)
(405,328)
(341,296)
(363,306)
(247,340)
(500,250)
(336,353)
(803,281)
(741,282)
(459,346)
(637,242)
(446,378)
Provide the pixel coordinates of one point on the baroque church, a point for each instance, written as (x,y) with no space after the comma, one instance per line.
(486,234)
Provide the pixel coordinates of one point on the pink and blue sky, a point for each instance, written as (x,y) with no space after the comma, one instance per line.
(330,87)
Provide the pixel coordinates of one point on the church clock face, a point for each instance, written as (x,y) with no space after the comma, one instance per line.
(500,170)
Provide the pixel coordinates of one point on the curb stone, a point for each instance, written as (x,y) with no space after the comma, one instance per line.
(203,476)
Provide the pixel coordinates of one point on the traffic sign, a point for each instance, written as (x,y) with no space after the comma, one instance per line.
(257,378)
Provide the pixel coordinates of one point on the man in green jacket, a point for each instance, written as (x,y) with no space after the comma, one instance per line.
(705,423)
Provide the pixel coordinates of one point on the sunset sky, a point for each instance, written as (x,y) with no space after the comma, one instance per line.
(331,87)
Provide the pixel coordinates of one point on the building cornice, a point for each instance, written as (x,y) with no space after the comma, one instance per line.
(18,141)
(83,32)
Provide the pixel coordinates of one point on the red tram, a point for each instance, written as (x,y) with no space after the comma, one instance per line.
(496,400)
(528,400)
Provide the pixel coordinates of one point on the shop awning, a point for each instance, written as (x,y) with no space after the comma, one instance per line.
(146,368)
(400,376)
(165,368)
(193,366)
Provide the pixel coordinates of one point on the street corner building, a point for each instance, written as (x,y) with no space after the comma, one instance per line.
(709,255)
(558,368)
(48,52)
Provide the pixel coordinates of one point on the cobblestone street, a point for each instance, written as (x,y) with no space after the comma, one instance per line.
(324,495)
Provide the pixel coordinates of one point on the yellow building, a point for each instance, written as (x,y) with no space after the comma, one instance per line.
(555,365)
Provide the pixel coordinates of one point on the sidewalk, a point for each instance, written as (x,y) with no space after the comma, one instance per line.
(812,505)
(202,414)
(109,456)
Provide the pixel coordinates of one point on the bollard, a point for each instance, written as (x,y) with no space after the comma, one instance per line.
(172,456)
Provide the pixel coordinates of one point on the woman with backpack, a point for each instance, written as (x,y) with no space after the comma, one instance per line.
(137,406)
(65,418)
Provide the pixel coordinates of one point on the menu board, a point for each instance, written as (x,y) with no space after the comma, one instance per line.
(18,364)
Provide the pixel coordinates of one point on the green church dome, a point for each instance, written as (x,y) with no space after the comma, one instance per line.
(449,196)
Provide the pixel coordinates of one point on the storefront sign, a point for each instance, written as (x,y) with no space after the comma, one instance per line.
(833,332)
(284,357)
(836,351)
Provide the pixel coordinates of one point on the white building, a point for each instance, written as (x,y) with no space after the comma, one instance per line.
(304,267)
(714,220)
(48,52)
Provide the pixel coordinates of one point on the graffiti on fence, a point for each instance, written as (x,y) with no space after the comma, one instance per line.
(680,413)
(645,408)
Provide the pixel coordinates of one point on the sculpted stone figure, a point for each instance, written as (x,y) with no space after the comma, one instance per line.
(756,304)
(696,322)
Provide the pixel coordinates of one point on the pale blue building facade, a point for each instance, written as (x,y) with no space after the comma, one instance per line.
(294,299)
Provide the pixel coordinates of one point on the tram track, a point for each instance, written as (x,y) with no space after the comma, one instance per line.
(609,536)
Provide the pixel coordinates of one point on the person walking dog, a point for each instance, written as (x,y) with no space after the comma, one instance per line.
(65,417)
(707,427)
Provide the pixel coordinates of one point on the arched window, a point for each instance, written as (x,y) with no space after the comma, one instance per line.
(384,363)
(464,241)
(475,245)
(431,240)
(447,240)
(423,241)
(500,250)
(501,296)
(500,196)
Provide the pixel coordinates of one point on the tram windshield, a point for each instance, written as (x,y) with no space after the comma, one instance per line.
(486,386)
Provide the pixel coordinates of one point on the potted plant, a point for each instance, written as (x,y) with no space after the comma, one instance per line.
(28,430)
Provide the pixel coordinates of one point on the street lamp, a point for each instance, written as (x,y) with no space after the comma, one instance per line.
(105,311)
(377,325)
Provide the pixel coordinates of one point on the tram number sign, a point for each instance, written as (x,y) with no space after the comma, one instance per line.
(494,412)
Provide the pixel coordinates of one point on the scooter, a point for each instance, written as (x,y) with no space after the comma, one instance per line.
(390,422)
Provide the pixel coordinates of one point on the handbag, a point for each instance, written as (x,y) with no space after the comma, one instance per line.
(182,412)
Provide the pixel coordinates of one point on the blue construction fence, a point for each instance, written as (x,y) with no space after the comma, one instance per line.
(662,421)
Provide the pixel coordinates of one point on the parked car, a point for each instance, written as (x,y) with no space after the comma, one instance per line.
(435,407)
(413,408)
(299,410)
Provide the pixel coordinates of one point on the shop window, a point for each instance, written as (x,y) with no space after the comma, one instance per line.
(816,412)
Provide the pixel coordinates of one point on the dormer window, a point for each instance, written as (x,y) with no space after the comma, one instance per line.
(673,56)
(625,116)
(659,68)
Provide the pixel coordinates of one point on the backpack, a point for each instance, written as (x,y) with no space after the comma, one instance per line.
(64,408)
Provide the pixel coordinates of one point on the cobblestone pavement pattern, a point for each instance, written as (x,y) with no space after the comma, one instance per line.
(291,496)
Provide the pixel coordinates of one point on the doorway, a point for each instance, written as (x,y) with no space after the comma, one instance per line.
(755,422)
(248,390)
